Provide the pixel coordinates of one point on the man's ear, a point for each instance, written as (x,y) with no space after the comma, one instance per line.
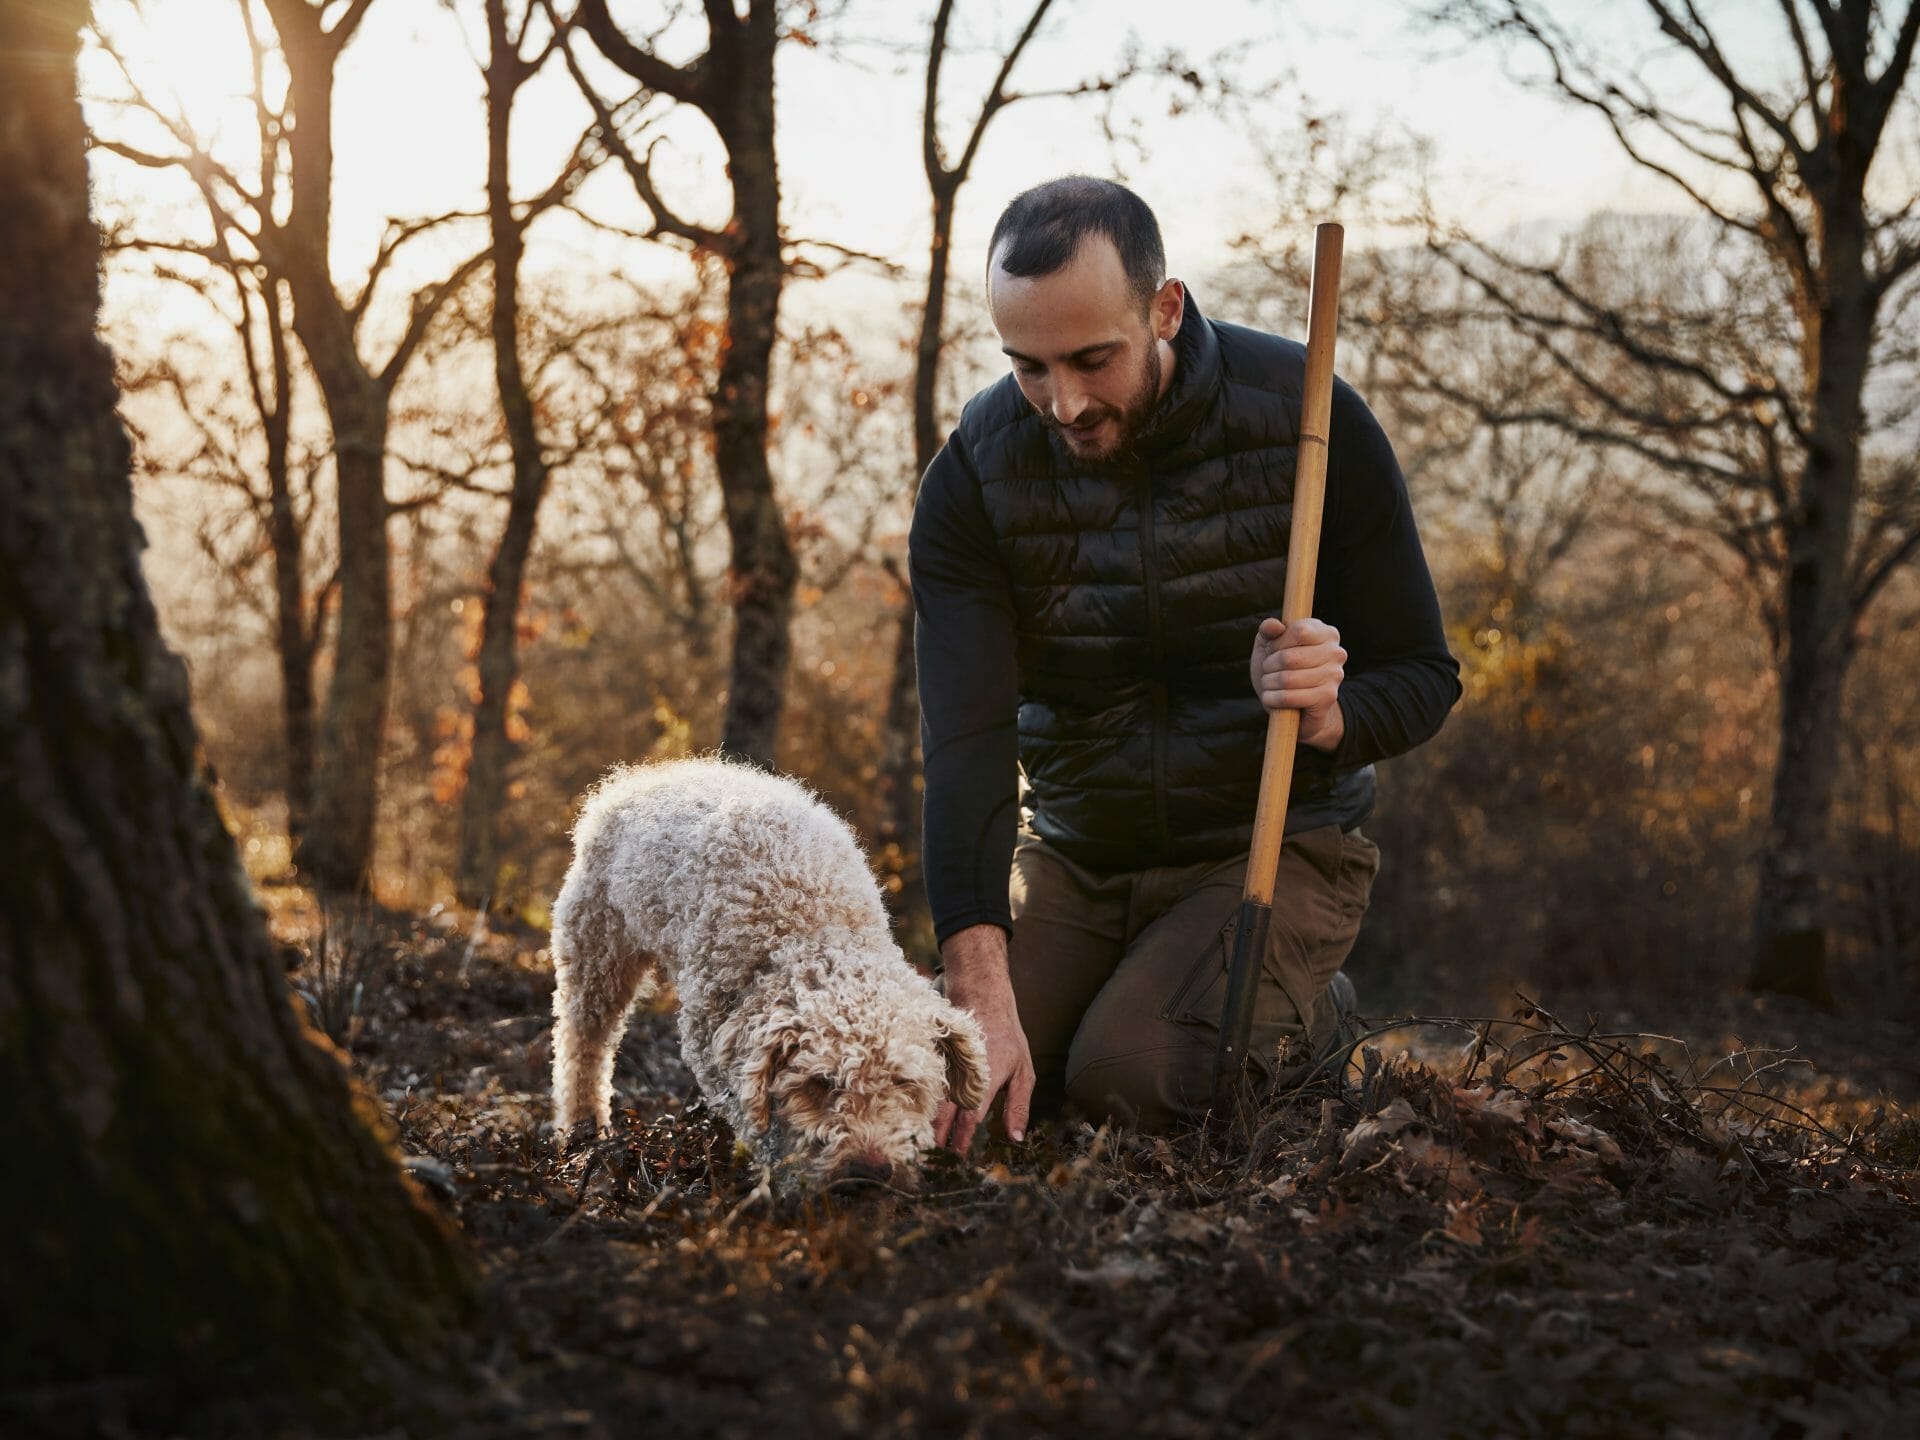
(1168,309)
(957,1034)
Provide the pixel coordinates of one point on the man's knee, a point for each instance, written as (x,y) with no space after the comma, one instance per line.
(1160,1088)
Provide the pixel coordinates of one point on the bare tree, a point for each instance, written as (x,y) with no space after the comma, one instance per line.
(241,445)
(731,84)
(1748,386)
(509,66)
(293,238)
(208,1204)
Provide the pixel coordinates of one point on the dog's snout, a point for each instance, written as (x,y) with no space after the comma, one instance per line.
(872,1169)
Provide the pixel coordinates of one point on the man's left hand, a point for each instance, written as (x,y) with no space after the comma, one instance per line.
(1300,667)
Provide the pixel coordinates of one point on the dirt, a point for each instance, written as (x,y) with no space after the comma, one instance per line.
(1519,1227)
(1537,1232)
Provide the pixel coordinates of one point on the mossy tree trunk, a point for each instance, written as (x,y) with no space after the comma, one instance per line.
(197,1194)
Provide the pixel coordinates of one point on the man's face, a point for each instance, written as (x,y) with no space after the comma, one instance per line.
(1084,354)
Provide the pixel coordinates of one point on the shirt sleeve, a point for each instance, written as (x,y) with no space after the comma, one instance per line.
(964,652)
(1373,586)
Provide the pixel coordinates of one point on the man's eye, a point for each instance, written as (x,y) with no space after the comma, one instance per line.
(1087,367)
(1029,372)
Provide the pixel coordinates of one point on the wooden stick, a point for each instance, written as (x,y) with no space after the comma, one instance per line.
(1283,726)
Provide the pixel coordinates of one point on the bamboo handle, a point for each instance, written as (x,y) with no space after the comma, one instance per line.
(1303,553)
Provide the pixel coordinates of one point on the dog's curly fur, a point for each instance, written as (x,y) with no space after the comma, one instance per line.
(799,1016)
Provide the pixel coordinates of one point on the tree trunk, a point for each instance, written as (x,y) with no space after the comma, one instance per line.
(198,1199)
(763,570)
(338,850)
(476,873)
(1790,938)
(926,360)
(900,757)
(1790,949)
(296,634)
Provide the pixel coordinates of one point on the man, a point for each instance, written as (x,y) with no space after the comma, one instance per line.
(1094,553)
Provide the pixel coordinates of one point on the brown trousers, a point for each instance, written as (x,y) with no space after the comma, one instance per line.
(1119,976)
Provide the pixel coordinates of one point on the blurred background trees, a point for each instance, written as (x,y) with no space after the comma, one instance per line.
(455,509)
(1733,353)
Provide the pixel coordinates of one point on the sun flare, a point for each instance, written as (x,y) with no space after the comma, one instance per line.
(186,60)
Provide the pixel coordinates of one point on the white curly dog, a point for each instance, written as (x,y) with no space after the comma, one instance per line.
(799,1016)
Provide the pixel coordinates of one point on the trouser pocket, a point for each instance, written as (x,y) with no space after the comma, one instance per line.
(1202,978)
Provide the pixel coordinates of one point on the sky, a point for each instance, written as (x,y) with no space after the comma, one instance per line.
(1498,151)
(410,128)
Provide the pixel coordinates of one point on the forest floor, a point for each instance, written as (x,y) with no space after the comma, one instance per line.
(1523,1227)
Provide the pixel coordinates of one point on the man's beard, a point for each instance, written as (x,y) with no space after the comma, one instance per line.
(1130,421)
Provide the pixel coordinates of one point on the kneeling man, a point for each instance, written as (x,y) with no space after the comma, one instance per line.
(1097,555)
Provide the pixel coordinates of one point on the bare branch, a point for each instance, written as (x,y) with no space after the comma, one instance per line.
(1876,575)
(932,157)
(1559,419)
(426,304)
(1809,74)
(1614,329)
(1698,41)
(997,96)
(343,30)
(450,479)
(812,271)
(397,234)
(686,83)
(1887,86)
(1895,268)
(639,171)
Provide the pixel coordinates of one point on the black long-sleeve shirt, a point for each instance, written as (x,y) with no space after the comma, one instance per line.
(1373,585)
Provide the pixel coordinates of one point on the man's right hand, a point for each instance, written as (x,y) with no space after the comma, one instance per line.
(975,962)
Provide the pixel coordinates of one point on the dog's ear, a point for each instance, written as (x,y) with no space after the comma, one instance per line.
(957,1034)
(771,1049)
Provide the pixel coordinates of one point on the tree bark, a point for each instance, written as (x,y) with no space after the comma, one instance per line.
(900,735)
(338,848)
(476,873)
(731,83)
(337,851)
(200,1198)
(1790,921)
(295,634)
(763,569)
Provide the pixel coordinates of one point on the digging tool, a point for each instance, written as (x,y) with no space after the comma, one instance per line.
(1283,726)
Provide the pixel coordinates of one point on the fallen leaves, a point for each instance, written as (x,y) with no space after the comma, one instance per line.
(1549,1233)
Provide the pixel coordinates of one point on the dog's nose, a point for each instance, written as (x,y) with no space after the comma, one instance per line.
(876,1171)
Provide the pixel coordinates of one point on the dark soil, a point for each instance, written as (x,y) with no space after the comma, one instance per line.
(1540,1231)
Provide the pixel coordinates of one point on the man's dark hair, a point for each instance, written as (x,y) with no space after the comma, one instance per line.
(1041,230)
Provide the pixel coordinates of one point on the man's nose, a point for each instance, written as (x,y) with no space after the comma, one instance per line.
(1069,403)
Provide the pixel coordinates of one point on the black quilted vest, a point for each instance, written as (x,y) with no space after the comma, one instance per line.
(1137,592)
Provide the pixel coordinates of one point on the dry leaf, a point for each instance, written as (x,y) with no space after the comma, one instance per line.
(1372,1134)
(1491,1104)
(1576,1132)
(1463,1222)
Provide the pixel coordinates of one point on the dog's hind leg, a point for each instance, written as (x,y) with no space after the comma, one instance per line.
(595,989)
